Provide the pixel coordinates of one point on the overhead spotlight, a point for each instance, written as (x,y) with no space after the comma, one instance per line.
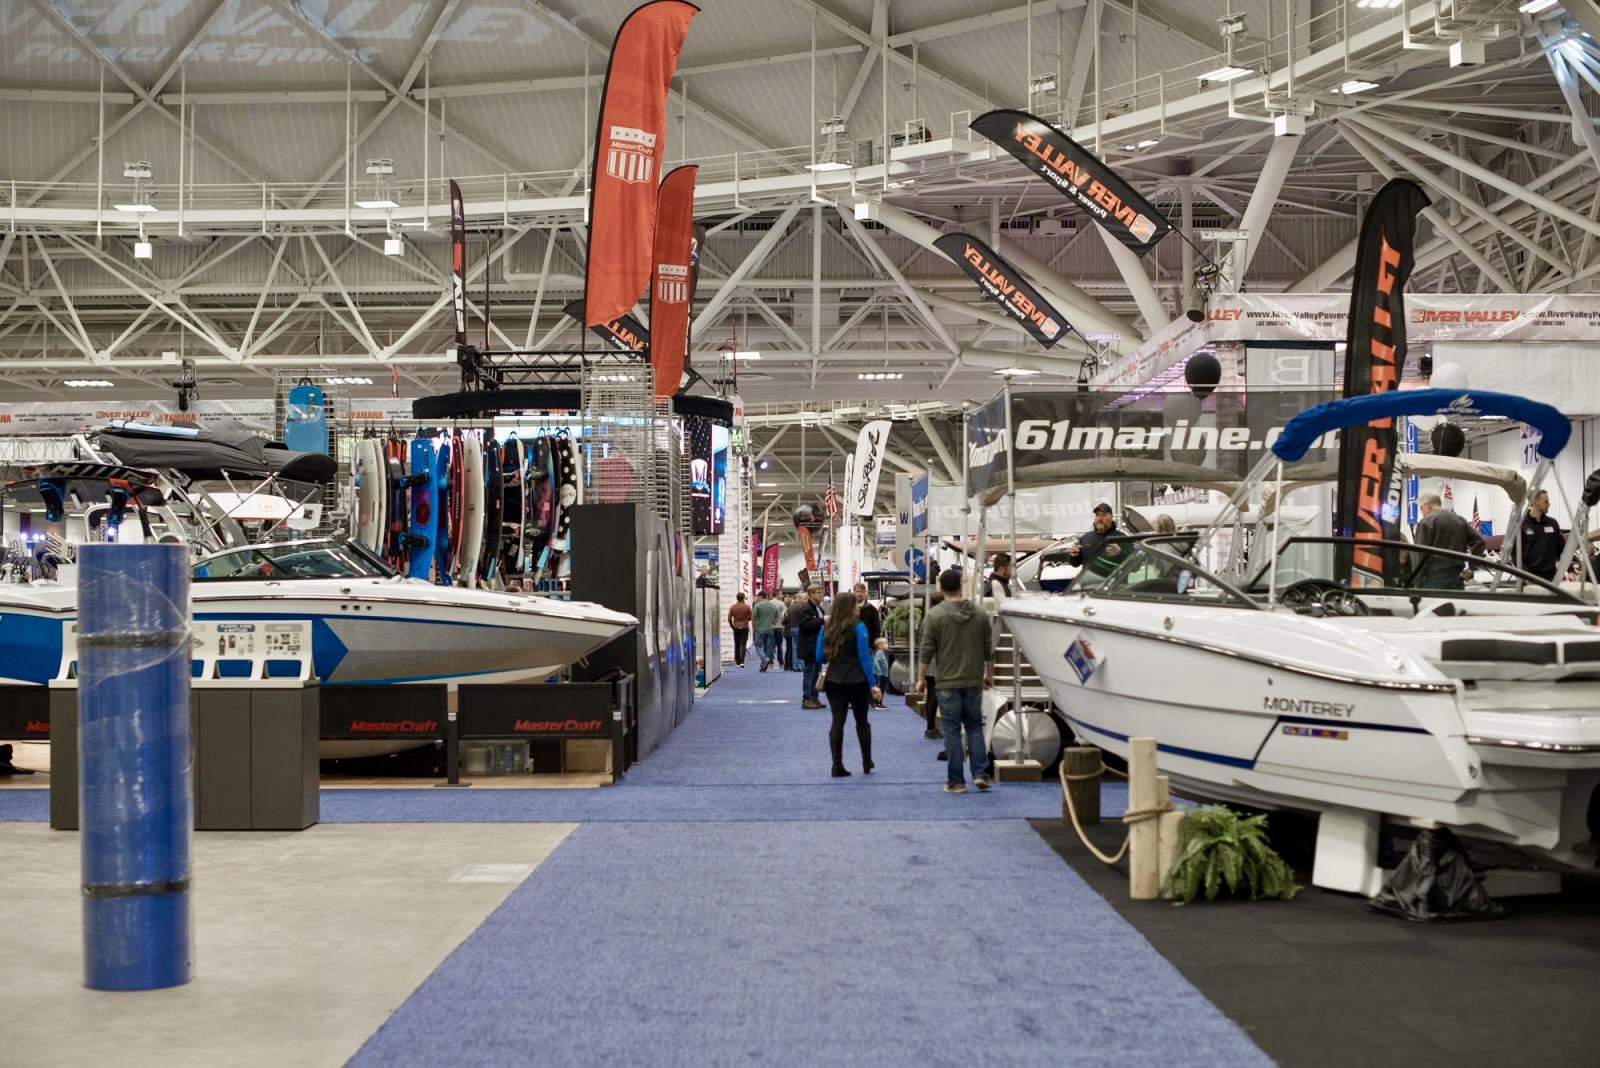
(1194,305)
(138,171)
(380,166)
(143,250)
(393,247)
(833,126)
(1045,83)
(1466,53)
(762,465)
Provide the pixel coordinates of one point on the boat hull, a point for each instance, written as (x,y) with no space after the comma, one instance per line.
(1252,708)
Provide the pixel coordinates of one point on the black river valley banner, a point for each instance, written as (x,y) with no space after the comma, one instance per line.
(1006,287)
(1081,178)
(1368,504)
(624,332)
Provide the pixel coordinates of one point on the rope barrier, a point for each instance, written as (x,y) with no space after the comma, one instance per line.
(1129,818)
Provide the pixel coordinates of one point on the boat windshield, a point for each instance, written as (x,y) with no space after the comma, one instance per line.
(293,560)
(1311,567)
(1155,568)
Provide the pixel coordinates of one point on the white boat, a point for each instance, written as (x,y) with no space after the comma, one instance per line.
(367,624)
(1476,708)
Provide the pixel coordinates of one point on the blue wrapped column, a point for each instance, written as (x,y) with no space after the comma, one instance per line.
(135,803)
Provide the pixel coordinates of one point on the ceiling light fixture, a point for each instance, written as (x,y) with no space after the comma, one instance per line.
(1533,7)
(87,383)
(136,206)
(744,355)
(393,247)
(880,376)
(144,250)
(348,380)
(828,165)
(1016,372)
(1356,85)
(1225,73)
(1377,5)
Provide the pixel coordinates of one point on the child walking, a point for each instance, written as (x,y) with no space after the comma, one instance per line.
(880,666)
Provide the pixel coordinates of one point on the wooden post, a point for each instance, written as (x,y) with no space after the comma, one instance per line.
(1144,882)
(1166,832)
(1082,760)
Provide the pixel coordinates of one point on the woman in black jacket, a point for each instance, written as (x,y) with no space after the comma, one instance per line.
(849,681)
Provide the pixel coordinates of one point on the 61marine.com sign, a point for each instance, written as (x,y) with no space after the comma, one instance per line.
(1226,432)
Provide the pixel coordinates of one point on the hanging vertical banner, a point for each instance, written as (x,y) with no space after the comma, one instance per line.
(870,447)
(807,548)
(1078,175)
(757,536)
(1006,287)
(624,332)
(769,569)
(919,506)
(458,262)
(630,142)
(1368,503)
(902,515)
(671,292)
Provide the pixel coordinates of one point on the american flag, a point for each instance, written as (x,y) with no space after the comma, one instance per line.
(1477,524)
(830,501)
(1449,497)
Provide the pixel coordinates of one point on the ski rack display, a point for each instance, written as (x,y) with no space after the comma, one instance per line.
(558,429)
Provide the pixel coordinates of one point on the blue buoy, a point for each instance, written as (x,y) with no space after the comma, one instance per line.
(135,802)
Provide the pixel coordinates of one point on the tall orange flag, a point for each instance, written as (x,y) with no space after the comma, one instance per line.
(629,145)
(672,290)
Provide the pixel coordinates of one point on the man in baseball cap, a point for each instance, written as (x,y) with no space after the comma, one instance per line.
(1092,543)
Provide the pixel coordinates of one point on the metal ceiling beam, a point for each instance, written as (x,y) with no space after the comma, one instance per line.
(952,468)
(975,23)
(1263,200)
(1375,157)
(1143,291)
(715,118)
(888,265)
(757,256)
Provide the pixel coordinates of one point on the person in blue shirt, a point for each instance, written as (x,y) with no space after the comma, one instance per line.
(849,679)
(880,664)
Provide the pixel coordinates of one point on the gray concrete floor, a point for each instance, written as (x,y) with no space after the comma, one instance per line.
(305,942)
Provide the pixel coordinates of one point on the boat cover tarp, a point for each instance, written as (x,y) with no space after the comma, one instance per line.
(1421,464)
(1303,430)
(209,455)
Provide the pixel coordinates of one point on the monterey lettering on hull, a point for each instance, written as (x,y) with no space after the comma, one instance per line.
(1298,706)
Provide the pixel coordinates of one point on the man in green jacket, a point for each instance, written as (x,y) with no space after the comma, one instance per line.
(767,614)
(957,637)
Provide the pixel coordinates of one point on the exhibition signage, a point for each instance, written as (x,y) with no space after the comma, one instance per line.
(1220,432)
(769,569)
(1006,287)
(807,548)
(1083,179)
(624,332)
(630,142)
(871,444)
(888,530)
(1367,504)
(919,506)
(458,262)
(672,291)
(42,418)
(902,514)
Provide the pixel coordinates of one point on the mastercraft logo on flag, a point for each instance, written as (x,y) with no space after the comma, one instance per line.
(631,156)
(672,283)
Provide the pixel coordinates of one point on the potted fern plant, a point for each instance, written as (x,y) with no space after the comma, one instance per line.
(1218,848)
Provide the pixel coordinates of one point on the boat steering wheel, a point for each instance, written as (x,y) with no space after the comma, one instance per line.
(1332,598)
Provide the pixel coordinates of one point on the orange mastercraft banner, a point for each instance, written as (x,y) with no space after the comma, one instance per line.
(670,293)
(629,145)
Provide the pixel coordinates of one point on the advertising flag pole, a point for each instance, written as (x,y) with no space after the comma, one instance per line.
(1016,653)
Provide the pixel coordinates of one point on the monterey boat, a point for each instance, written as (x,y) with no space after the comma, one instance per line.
(1288,685)
(362,623)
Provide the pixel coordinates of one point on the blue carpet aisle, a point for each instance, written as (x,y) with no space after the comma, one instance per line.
(731,903)
(753,910)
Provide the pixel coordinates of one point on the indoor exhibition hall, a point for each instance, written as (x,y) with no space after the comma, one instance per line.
(799,532)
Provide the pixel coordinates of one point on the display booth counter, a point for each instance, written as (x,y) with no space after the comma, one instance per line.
(254,743)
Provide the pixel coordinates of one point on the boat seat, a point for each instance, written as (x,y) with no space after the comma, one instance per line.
(1482,649)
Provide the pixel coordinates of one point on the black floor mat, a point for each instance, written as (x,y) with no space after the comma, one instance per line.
(1321,980)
